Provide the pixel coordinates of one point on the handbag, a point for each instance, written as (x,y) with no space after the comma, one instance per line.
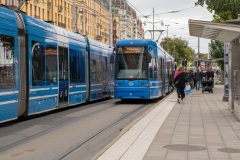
(188,89)
(176,83)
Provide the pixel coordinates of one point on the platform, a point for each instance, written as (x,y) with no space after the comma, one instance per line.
(200,128)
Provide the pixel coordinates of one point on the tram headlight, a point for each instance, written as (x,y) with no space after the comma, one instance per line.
(118,84)
(144,84)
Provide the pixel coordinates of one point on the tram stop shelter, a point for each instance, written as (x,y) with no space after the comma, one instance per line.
(228,32)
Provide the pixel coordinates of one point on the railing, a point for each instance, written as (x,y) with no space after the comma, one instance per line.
(35,16)
(61,25)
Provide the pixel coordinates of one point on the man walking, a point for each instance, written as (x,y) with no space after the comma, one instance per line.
(198,78)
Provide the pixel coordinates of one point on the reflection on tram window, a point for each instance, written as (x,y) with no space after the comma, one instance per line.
(51,64)
(131,63)
(7,68)
(38,64)
(81,66)
(77,66)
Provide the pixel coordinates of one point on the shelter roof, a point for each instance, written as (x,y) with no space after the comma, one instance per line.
(225,31)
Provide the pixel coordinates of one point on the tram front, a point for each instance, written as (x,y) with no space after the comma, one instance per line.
(131,70)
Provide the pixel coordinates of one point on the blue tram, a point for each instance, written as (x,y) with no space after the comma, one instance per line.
(143,70)
(44,67)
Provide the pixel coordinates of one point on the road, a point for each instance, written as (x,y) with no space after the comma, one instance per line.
(77,133)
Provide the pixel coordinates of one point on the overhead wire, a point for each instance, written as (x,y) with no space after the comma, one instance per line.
(140,12)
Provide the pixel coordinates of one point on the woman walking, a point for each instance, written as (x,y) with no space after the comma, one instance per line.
(180,81)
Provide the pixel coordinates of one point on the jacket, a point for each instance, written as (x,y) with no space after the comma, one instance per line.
(181,78)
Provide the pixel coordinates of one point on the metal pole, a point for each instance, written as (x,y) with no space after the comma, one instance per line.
(167,37)
(198,47)
(20,5)
(153,23)
(111,28)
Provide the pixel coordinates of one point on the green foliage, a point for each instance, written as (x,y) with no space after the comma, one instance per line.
(216,50)
(222,9)
(178,48)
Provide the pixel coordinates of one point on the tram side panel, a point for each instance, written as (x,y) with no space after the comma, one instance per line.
(43,92)
(9,53)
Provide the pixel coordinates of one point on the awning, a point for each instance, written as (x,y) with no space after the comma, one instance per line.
(225,31)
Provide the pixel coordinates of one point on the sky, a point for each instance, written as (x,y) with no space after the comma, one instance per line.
(178,21)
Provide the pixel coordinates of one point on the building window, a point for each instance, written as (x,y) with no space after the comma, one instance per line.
(43,14)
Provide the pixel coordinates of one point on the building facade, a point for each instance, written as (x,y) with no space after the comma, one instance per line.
(87,17)
(129,26)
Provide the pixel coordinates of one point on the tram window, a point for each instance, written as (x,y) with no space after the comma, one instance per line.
(168,69)
(73,65)
(51,63)
(100,71)
(153,69)
(94,68)
(38,64)
(7,61)
(159,68)
(63,63)
(81,67)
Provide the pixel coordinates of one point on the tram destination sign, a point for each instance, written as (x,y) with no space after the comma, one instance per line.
(130,50)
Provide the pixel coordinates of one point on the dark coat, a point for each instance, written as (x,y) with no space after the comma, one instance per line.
(181,78)
(190,77)
(198,76)
(209,74)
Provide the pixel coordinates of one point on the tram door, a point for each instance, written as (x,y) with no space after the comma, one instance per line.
(63,76)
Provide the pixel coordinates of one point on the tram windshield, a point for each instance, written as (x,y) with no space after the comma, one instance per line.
(131,63)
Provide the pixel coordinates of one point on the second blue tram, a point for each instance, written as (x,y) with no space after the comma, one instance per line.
(143,70)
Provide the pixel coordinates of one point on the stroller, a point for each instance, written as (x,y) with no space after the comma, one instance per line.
(207,86)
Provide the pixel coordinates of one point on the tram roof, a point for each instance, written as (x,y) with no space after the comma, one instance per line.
(8,19)
(129,42)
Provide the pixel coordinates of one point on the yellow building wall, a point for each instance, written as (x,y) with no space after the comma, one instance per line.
(90,18)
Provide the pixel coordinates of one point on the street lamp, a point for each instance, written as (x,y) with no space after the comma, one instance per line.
(167,37)
(167,25)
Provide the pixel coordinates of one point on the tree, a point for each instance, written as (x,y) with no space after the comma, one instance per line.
(178,48)
(216,50)
(223,9)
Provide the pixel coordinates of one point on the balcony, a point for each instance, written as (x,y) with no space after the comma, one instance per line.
(98,37)
(35,16)
(61,25)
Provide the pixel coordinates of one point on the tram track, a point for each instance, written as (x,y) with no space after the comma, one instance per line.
(49,130)
(84,136)
(77,146)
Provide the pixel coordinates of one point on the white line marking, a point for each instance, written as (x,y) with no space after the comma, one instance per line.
(136,141)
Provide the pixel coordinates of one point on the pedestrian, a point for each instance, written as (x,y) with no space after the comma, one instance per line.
(198,77)
(180,82)
(190,78)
